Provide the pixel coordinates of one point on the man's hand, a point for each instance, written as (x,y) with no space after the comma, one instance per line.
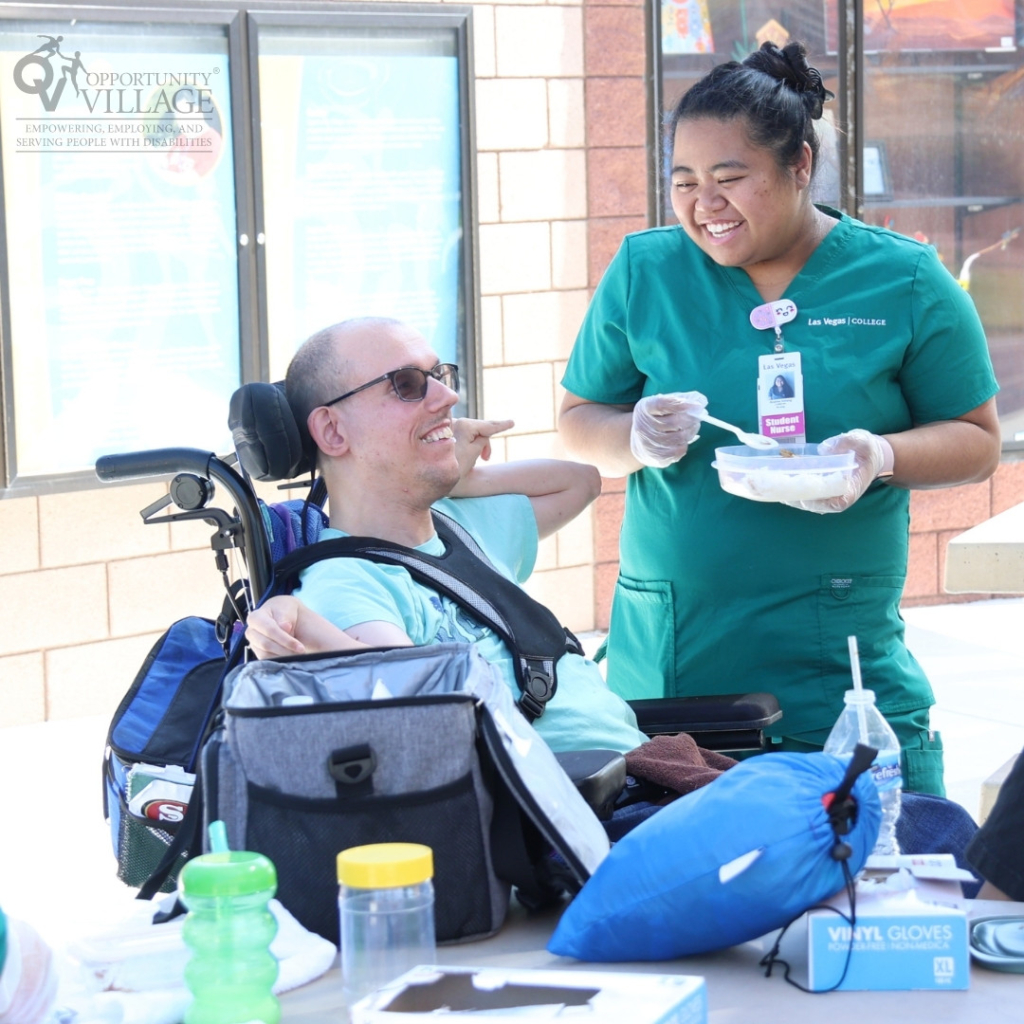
(270,629)
(473,442)
(664,427)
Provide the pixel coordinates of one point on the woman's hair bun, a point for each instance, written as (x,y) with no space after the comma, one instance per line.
(789,66)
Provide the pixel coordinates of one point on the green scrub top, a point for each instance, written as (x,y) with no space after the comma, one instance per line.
(716,593)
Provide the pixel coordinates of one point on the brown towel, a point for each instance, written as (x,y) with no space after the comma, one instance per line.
(676,762)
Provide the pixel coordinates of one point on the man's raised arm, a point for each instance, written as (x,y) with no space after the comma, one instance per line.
(558,490)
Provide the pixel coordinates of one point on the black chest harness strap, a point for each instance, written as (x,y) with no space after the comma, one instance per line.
(463,573)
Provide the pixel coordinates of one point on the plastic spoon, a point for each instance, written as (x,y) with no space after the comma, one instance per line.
(751,440)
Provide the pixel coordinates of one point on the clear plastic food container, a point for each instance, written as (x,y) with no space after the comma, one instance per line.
(792,472)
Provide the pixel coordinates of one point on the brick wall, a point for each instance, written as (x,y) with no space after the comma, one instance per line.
(617,203)
(616,111)
(938,516)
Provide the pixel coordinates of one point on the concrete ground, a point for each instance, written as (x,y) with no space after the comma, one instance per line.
(56,864)
(974,655)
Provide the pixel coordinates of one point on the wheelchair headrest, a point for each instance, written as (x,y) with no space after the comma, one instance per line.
(269,443)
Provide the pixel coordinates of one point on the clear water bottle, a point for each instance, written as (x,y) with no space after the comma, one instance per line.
(386,914)
(862,722)
(229,929)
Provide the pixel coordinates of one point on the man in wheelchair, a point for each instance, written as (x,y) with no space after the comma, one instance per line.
(377,404)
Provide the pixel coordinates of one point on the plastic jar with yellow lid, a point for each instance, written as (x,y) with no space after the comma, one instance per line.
(386,914)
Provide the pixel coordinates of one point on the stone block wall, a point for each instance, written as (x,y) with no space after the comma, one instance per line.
(85,590)
(534,273)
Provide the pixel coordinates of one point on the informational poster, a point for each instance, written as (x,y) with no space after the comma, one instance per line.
(118,184)
(686,27)
(362,189)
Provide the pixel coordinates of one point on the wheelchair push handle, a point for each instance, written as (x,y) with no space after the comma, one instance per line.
(207,466)
(156,462)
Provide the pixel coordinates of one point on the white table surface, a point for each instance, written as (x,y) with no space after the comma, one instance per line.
(738,992)
(988,558)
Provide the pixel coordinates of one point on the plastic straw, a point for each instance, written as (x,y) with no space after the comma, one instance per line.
(218,837)
(858,686)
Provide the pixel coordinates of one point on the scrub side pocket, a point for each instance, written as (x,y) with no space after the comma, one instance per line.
(642,640)
(922,762)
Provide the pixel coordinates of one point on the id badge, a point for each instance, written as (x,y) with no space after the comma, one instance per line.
(780,397)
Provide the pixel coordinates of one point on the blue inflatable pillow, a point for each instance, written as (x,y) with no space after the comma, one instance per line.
(723,865)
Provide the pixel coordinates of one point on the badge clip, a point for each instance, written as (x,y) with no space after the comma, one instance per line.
(772,315)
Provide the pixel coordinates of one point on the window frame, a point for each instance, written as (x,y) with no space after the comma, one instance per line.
(411,16)
(853,64)
(240,20)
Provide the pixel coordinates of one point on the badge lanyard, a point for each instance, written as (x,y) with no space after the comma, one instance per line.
(780,380)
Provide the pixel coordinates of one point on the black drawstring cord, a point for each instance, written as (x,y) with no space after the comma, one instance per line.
(842,815)
(771,958)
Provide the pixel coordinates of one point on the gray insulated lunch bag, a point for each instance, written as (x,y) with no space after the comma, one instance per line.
(315,754)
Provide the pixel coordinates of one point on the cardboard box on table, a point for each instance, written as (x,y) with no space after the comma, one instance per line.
(910,932)
(476,994)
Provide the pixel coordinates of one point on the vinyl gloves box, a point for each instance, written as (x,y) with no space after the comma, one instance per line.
(477,994)
(910,932)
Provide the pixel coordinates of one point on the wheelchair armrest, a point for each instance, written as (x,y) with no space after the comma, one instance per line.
(728,721)
(600,776)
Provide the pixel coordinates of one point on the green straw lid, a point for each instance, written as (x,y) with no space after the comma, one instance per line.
(229,873)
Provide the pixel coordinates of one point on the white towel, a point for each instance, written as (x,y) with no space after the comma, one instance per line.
(133,973)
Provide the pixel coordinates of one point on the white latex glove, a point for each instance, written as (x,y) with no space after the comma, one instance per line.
(870,450)
(664,426)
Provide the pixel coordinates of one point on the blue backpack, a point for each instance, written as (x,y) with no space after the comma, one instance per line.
(158,729)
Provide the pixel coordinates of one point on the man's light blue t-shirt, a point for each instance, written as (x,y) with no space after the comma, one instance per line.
(583,715)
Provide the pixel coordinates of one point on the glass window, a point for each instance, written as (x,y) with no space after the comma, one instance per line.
(180,210)
(944,128)
(121,298)
(939,118)
(363,190)
(698,34)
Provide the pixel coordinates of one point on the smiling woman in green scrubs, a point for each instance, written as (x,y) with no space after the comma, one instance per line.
(888,359)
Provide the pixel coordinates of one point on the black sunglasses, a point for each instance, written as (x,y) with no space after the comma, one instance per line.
(410,382)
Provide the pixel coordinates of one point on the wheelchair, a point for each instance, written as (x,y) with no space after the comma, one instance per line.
(269,447)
